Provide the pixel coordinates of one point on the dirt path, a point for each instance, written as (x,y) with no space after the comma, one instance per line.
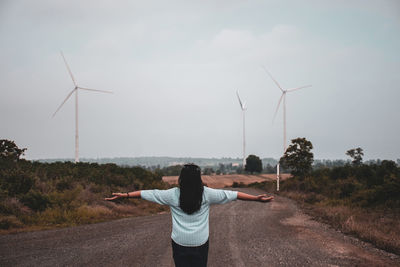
(241,234)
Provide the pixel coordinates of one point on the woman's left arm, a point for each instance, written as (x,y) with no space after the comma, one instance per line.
(134,194)
(261,198)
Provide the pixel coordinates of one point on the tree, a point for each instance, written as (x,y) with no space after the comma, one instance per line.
(221,168)
(356,154)
(253,164)
(9,151)
(208,171)
(298,157)
(269,169)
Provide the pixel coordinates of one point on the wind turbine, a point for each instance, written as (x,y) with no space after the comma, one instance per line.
(75,90)
(283,96)
(244,108)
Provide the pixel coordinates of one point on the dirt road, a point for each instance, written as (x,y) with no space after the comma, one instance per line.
(241,234)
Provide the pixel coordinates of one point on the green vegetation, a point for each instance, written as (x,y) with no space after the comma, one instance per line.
(352,185)
(169,171)
(298,157)
(9,151)
(363,200)
(356,154)
(253,164)
(34,194)
(356,198)
(162,162)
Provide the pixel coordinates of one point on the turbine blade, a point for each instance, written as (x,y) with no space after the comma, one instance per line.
(240,102)
(69,70)
(65,100)
(269,74)
(277,107)
(294,89)
(96,90)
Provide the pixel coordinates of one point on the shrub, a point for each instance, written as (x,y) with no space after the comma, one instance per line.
(36,200)
(15,181)
(238,185)
(12,206)
(9,222)
(64,184)
(52,216)
(312,198)
(64,193)
(66,199)
(346,188)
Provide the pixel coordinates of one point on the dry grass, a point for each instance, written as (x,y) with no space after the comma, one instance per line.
(221,181)
(56,217)
(379,227)
(11,221)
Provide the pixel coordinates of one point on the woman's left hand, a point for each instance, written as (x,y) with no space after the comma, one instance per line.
(116,196)
(264,198)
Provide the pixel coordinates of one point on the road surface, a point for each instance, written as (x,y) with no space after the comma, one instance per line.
(241,234)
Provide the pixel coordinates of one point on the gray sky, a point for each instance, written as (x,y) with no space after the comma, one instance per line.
(174,68)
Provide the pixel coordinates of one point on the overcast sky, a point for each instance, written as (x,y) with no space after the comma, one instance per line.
(175,66)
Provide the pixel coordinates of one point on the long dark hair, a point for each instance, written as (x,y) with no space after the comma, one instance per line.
(191,188)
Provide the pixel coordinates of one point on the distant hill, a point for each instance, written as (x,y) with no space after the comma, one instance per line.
(162,161)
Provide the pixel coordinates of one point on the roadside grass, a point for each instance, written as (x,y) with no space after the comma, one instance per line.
(56,217)
(35,196)
(376,225)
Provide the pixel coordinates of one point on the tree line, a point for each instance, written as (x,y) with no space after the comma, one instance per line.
(354,183)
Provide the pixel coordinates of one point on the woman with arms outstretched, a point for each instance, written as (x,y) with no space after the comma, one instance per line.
(190,206)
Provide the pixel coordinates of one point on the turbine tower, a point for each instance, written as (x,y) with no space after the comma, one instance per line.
(75,90)
(283,96)
(244,108)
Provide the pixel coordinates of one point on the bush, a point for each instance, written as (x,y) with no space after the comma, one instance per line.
(238,185)
(64,184)
(64,193)
(9,222)
(52,216)
(313,198)
(361,185)
(347,187)
(66,199)
(36,201)
(15,181)
(12,206)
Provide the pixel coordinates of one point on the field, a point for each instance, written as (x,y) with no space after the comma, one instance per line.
(221,181)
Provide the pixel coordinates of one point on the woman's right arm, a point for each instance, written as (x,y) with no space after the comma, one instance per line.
(134,194)
(162,197)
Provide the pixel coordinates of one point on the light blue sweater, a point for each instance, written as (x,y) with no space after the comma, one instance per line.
(189,230)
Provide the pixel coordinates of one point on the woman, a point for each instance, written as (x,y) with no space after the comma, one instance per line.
(190,205)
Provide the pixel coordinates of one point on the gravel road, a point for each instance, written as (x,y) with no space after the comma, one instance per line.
(241,234)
